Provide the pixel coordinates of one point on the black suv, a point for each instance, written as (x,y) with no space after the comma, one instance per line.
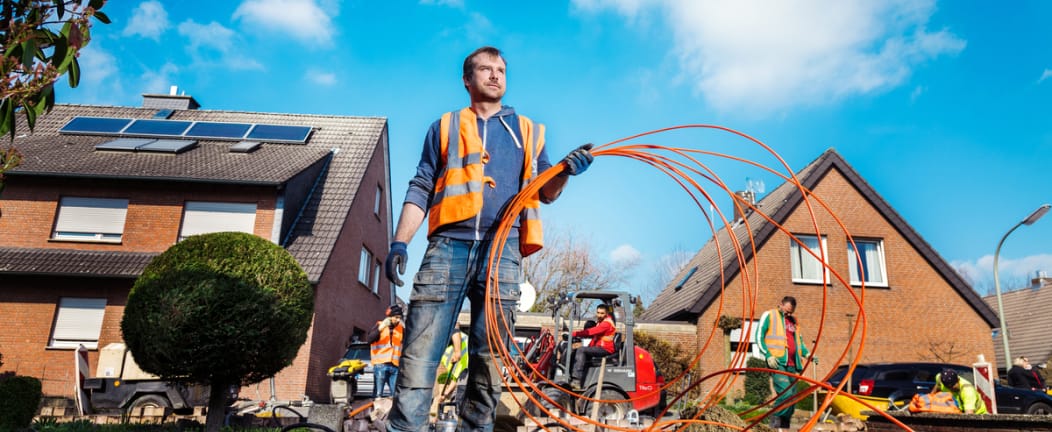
(900,381)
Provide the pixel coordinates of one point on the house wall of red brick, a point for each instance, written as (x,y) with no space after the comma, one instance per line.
(28,307)
(918,317)
(342,303)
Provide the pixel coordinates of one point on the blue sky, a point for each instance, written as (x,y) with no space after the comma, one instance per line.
(942,107)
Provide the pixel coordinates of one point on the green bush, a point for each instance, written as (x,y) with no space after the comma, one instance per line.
(757,384)
(222,307)
(808,402)
(19,399)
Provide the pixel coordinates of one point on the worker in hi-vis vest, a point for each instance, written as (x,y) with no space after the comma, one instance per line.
(385,350)
(474,162)
(778,335)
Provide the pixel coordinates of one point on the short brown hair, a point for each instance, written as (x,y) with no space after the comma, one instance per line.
(469,61)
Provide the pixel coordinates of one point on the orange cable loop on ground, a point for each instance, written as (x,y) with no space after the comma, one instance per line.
(689,173)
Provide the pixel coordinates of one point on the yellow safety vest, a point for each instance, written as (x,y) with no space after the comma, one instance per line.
(458,193)
(774,339)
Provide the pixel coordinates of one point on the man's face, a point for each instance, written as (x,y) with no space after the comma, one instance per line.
(787,308)
(487,84)
(395,319)
(600,315)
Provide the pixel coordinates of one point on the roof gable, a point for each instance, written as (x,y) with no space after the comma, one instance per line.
(704,286)
(1025,312)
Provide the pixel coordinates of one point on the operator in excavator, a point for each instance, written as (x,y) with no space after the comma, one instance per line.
(602,343)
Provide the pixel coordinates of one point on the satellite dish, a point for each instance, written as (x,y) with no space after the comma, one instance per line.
(528,296)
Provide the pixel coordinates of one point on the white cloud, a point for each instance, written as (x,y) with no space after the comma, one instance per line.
(764,56)
(148,20)
(213,44)
(625,254)
(302,19)
(100,80)
(159,81)
(1014,273)
(1044,75)
(320,77)
(917,92)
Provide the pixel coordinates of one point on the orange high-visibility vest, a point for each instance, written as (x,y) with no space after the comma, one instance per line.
(775,337)
(458,193)
(607,341)
(387,349)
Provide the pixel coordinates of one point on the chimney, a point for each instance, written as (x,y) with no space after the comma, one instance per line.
(1040,279)
(741,209)
(173,100)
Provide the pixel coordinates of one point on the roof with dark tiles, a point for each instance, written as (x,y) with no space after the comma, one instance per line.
(685,300)
(1026,316)
(73,262)
(351,141)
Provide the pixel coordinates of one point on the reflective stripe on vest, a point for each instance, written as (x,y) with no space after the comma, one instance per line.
(775,337)
(458,191)
(387,349)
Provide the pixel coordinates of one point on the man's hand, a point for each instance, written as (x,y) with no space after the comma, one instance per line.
(454,356)
(395,264)
(385,323)
(578,160)
(772,362)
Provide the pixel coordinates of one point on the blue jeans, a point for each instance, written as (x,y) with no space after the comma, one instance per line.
(453,270)
(384,375)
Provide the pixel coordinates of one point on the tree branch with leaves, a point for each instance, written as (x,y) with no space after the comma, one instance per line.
(568,264)
(39,42)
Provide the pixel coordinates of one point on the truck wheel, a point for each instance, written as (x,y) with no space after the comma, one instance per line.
(148,401)
(553,393)
(607,410)
(1039,409)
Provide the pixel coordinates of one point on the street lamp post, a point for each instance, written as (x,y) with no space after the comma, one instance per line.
(997,284)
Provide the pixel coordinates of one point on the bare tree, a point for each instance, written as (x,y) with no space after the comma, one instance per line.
(666,268)
(569,263)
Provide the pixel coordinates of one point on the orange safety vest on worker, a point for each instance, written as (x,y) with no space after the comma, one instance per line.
(387,349)
(458,193)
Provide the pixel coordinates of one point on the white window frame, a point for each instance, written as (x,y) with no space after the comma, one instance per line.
(203,217)
(798,258)
(379,199)
(78,321)
(878,268)
(364,265)
(377,266)
(90,219)
(738,336)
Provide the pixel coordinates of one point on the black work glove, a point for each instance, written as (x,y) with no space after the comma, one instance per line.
(578,160)
(395,264)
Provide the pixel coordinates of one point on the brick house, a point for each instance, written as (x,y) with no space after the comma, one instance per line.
(1026,316)
(917,306)
(102,190)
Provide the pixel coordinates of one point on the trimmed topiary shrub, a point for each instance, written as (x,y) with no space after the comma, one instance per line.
(757,384)
(220,309)
(19,399)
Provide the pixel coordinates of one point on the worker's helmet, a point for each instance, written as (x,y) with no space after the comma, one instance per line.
(394,310)
(948,377)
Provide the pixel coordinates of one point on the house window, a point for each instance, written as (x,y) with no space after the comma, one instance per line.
(870,254)
(379,199)
(376,277)
(737,338)
(807,268)
(78,322)
(90,219)
(364,265)
(203,217)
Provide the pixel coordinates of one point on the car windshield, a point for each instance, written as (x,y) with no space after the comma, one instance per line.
(357,351)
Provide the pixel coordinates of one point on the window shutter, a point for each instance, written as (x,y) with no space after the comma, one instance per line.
(91,215)
(79,320)
(200,217)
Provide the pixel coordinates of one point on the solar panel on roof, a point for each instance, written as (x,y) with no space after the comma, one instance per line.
(218,130)
(94,125)
(123,144)
(167,146)
(157,127)
(266,132)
